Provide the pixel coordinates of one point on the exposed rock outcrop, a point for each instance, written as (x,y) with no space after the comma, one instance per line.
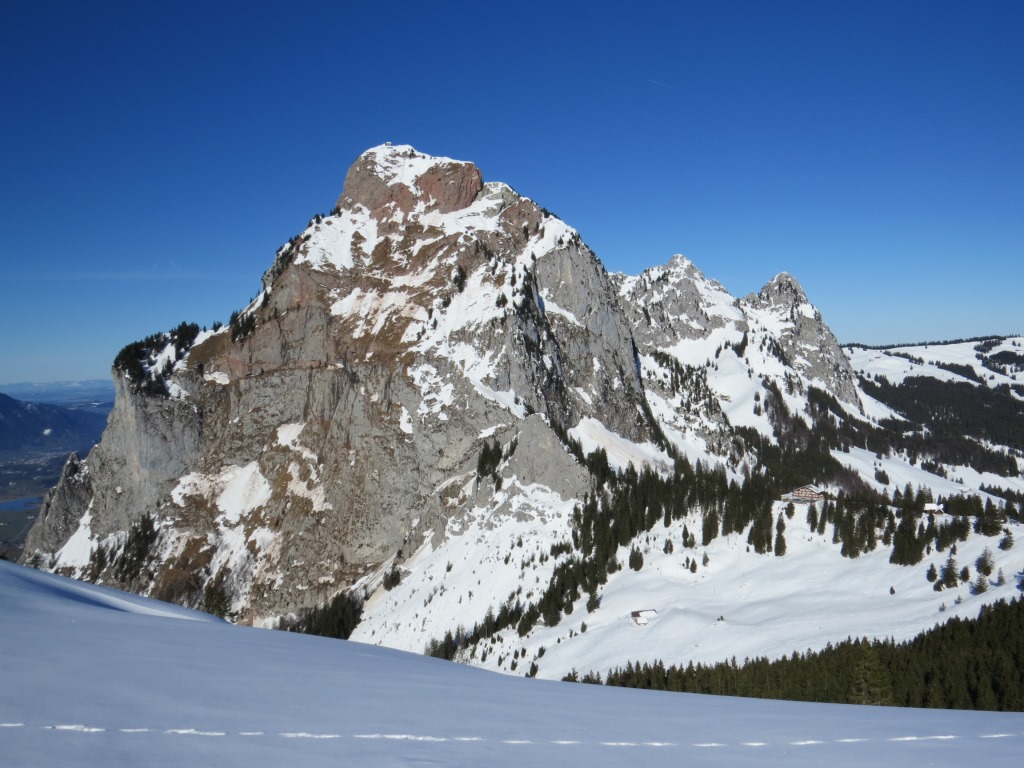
(310,441)
(808,344)
(333,430)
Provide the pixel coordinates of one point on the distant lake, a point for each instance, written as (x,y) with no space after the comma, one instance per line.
(22,505)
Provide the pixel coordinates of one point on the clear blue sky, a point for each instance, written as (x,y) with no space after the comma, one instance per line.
(157,154)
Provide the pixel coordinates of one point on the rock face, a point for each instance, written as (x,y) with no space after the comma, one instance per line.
(701,349)
(62,508)
(809,345)
(404,178)
(677,302)
(338,426)
(671,305)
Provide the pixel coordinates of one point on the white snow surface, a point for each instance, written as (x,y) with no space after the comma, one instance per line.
(889,363)
(217,377)
(478,568)
(78,549)
(240,490)
(901,472)
(93,677)
(746,605)
(592,434)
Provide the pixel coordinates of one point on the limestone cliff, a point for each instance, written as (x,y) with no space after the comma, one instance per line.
(422,370)
(337,420)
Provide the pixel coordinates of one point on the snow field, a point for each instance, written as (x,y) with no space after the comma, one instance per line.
(740,605)
(129,688)
(492,552)
(963,480)
(592,435)
(875,362)
(746,605)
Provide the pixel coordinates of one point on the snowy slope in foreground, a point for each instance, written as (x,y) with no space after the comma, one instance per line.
(91,677)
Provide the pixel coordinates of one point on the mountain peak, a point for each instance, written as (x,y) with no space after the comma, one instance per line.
(678,268)
(409,179)
(784,285)
(680,263)
(784,291)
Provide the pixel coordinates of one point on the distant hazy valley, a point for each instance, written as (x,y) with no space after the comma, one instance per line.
(40,424)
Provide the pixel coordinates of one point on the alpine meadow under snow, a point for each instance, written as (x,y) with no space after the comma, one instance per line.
(441,407)
(97,677)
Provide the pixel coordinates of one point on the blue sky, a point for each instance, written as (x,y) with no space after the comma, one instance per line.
(156,155)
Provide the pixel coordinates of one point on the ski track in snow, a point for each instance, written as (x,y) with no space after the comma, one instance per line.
(87,729)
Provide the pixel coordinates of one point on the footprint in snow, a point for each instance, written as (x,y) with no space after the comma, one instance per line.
(311,735)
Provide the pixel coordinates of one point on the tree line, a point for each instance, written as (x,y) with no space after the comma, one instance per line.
(963,664)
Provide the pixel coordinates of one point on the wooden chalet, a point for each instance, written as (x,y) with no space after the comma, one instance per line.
(805,494)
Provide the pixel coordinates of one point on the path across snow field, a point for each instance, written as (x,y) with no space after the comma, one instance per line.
(85,684)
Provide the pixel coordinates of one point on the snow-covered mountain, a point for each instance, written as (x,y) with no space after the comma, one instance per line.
(97,677)
(441,402)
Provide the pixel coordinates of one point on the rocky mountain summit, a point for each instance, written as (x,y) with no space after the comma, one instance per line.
(335,417)
(429,391)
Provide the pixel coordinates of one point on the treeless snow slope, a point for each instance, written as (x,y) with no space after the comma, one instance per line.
(88,680)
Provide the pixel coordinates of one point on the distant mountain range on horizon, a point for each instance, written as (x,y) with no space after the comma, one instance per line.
(60,392)
(40,427)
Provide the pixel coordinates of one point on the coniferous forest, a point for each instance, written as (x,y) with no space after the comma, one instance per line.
(963,664)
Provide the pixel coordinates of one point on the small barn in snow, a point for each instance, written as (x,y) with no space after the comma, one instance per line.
(643,617)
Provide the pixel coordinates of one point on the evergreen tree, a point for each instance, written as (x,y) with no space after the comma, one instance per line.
(780,545)
(948,575)
(980,584)
(872,683)
(636,559)
(336,619)
(985,562)
(780,539)
(392,578)
(709,529)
